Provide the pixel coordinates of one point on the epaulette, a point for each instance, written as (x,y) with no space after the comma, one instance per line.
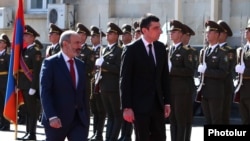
(37,48)
(186,47)
(192,48)
(228,47)
(222,49)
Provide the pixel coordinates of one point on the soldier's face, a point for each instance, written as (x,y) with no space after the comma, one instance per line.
(83,37)
(95,40)
(2,45)
(54,37)
(247,34)
(212,37)
(29,39)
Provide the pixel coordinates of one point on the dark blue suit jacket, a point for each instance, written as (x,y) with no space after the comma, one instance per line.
(58,95)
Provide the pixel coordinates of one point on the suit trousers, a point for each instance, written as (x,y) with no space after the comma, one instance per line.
(76,131)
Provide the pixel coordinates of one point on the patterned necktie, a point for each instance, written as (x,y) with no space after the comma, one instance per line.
(150,54)
(72,71)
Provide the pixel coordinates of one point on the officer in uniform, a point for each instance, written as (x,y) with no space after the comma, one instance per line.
(231,55)
(243,68)
(96,104)
(185,40)
(54,36)
(4,67)
(181,82)
(86,55)
(110,63)
(137,33)
(29,81)
(127,128)
(127,32)
(215,71)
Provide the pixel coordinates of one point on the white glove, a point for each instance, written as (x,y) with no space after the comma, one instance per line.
(202,68)
(169,65)
(240,68)
(99,61)
(32,91)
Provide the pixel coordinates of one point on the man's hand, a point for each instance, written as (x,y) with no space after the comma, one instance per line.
(99,61)
(55,123)
(167,110)
(32,91)
(128,115)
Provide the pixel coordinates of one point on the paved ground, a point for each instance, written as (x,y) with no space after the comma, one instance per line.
(197,131)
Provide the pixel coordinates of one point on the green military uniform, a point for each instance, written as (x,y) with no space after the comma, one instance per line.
(229,87)
(109,83)
(4,67)
(244,102)
(86,55)
(29,79)
(53,49)
(214,78)
(96,102)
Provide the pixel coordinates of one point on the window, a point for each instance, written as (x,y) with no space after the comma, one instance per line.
(38,5)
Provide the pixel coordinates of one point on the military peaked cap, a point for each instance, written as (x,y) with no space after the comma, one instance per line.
(137,26)
(248,24)
(31,31)
(114,28)
(188,30)
(225,27)
(95,31)
(80,28)
(5,38)
(39,44)
(127,28)
(177,25)
(55,29)
(213,26)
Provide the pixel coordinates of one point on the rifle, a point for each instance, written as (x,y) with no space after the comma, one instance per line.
(98,75)
(236,98)
(201,61)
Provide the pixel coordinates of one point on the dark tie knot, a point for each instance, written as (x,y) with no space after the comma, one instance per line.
(150,46)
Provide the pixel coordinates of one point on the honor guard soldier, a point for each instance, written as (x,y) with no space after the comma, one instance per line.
(185,40)
(181,70)
(231,55)
(54,36)
(214,68)
(4,67)
(28,81)
(110,62)
(96,104)
(127,32)
(243,69)
(87,54)
(137,33)
(127,128)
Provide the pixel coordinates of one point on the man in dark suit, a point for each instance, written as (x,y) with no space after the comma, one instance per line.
(4,67)
(28,81)
(144,82)
(181,68)
(215,70)
(110,62)
(231,54)
(63,95)
(54,35)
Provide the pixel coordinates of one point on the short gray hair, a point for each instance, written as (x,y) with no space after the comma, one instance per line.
(65,36)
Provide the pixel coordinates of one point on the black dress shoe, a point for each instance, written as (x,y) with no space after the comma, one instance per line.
(5,128)
(27,137)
